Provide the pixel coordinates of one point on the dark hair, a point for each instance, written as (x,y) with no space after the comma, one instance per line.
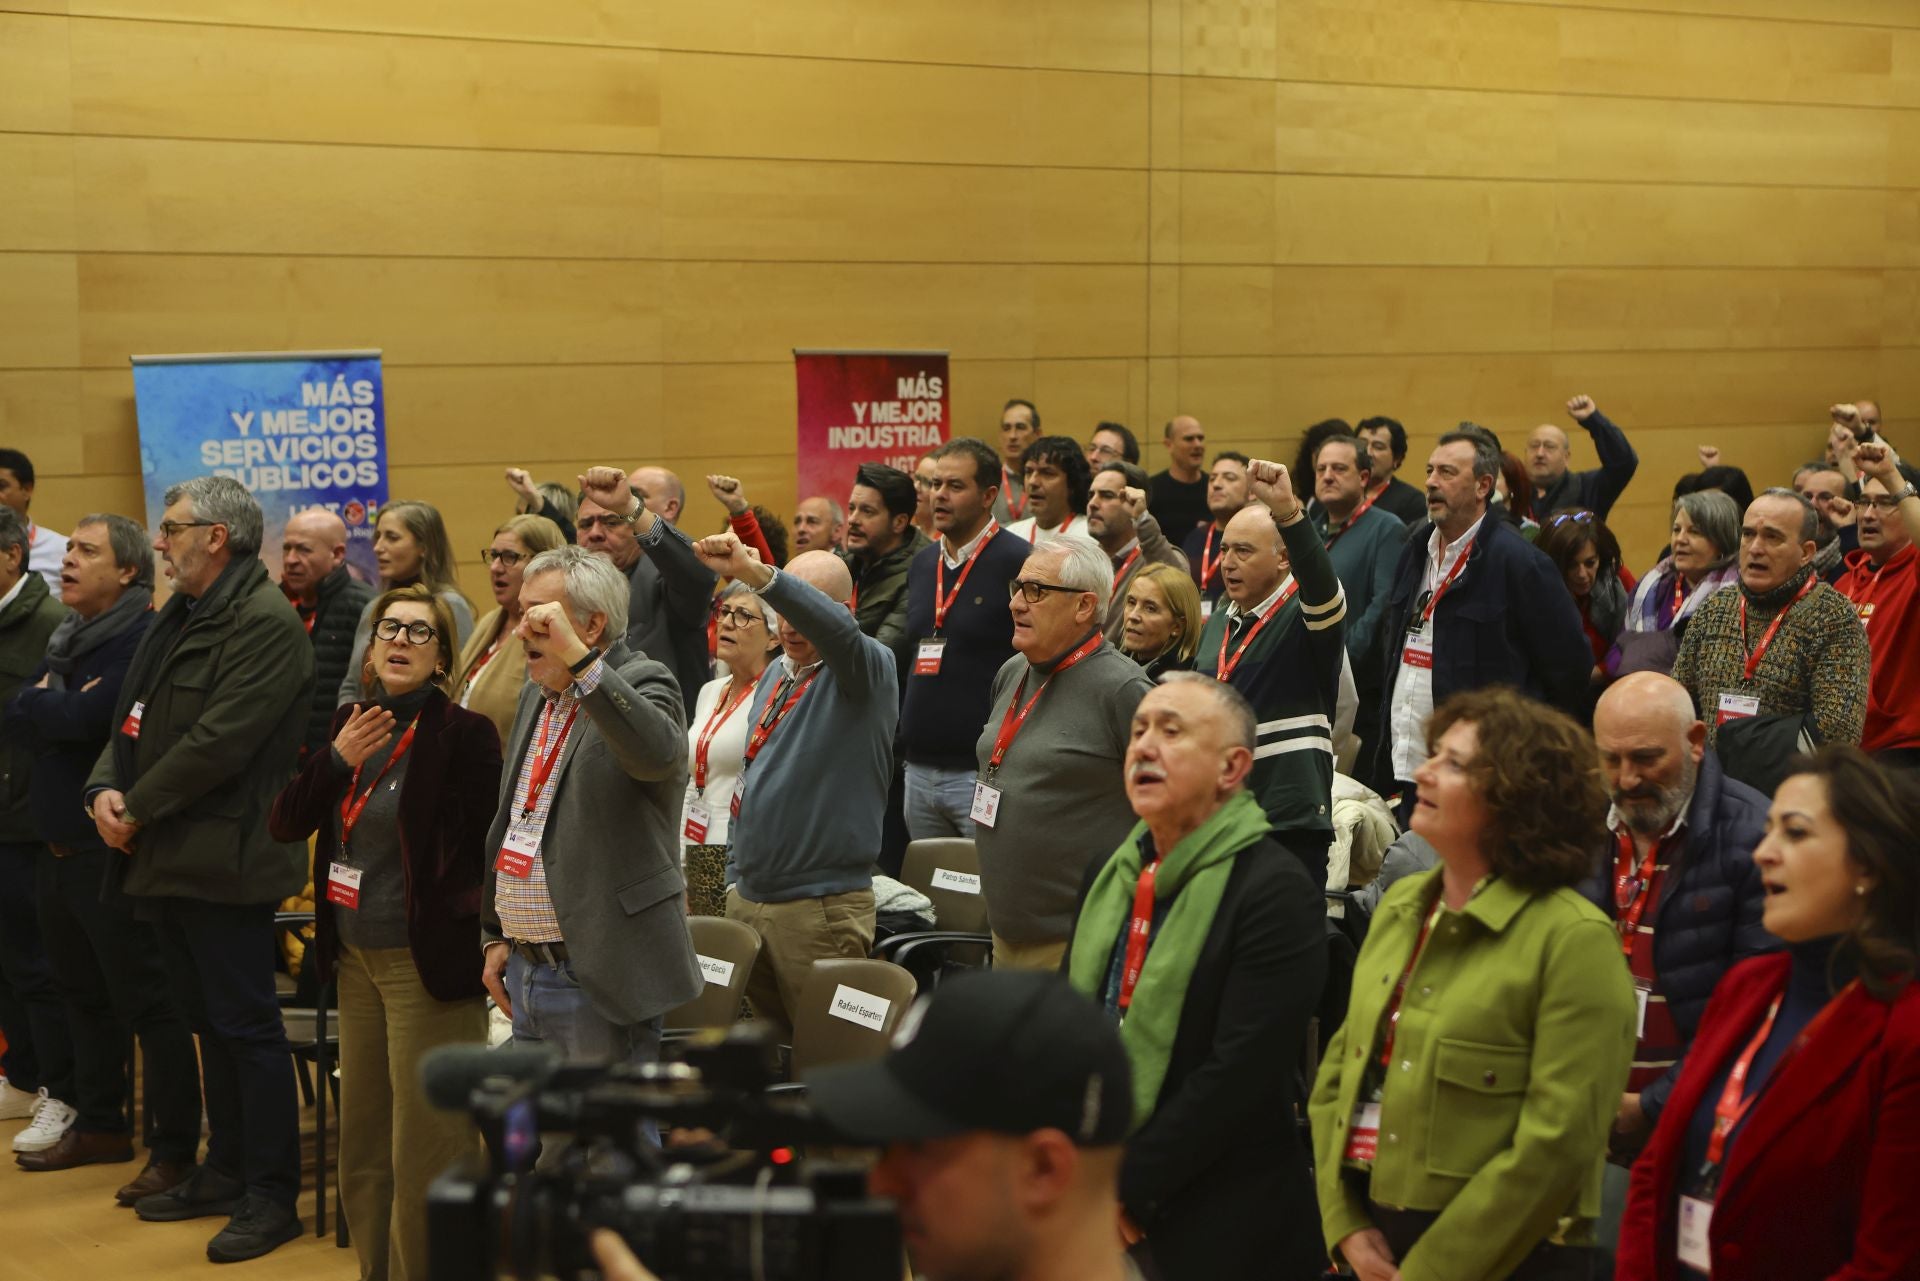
(1129,447)
(1538,774)
(1031,408)
(446,634)
(1310,442)
(1486,448)
(1234,455)
(1066,454)
(1519,487)
(1564,533)
(1396,435)
(1879,810)
(986,460)
(128,543)
(19,464)
(1134,474)
(1730,481)
(894,486)
(774,530)
(1361,458)
(13,533)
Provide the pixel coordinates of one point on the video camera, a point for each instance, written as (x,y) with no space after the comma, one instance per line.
(750,1209)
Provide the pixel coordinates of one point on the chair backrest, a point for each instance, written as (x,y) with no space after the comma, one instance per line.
(725,951)
(947,870)
(849,1007)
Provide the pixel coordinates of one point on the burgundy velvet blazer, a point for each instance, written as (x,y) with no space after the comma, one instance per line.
(1819,1182)
(447,800)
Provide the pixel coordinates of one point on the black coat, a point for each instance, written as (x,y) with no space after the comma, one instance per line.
(342,597)
(1708,916)
(1218,1177)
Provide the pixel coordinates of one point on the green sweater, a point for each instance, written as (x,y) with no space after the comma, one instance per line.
(25,624)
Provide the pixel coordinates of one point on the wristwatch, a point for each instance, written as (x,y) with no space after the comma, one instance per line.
(1911,491)
(586,660)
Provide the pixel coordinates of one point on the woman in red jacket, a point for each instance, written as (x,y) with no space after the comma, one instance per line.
(1788,1147)
(401,804)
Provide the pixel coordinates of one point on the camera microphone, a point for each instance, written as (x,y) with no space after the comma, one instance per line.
(451,1073)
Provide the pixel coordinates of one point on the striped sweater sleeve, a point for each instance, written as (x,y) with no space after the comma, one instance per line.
(1323,602)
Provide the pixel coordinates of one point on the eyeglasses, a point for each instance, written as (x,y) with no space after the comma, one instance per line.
(1881,502)
(609,520)
(740,617)
(388,629)
(1584,518)
(170,529)
(1034,590)
(924,482)
(488,555)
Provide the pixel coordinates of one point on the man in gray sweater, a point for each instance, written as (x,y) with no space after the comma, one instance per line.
(806,825)
(1051,798)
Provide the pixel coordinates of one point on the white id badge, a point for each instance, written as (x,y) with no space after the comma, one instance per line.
(697,820)
(343,885)
(926,661)
(1735,707)
(1206,609)
(519,850)
(986,805)
(1696,1216)
(1363,1133)
(1642,995)
(131,726)
(1418,651)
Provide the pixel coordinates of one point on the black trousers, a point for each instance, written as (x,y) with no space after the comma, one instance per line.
(39,1046)
(219,958)
(108,970)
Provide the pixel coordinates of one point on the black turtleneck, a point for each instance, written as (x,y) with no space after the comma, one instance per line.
(1776,599)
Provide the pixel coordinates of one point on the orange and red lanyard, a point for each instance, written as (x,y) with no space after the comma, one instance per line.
(543,760)
(1766,638)
(1224,666)
(1731,1109)
(1139,932)
(1391,1017)
(1426,615)
(1007,487)
(1358,512)
(770,719)
(1120,574)
(942,598)
(1632,888)
(1209,563)
(723,708)
(350,807)
(1011,722)
(1033,535)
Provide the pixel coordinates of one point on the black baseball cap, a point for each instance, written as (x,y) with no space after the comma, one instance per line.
(1004,1051)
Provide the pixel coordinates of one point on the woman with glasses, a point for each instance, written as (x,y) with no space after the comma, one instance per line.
(410,545)
(493,666)
(746,640)
(1700,561)
(1587,555)
(400,807)
(1160,623)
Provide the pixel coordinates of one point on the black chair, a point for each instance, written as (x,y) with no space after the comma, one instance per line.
(315,1050)
(947,871)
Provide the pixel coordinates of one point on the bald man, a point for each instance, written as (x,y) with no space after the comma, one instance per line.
(629,519)
(818,525)
(314,575)
(1680,884)
(822,726)
(1549,452)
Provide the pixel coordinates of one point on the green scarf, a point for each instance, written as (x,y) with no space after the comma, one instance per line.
(1194,875)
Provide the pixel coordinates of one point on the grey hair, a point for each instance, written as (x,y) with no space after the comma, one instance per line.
(223,500)
(592,585)
(128,542)
(1486,448)
(13,533)
(1809,515)
(768,612)
(1243,727)
(1717,518)
(1083,566)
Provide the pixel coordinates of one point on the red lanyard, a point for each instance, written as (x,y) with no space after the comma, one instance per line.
(723,708)
(1866,596)
(1033,535)
(1392,1015)
(1139,932)
(1679,591)
(311,618)
(543,760)
(1446,582)
(942,598)
(1007,487)
(1732,1108)
(1011,722)
(349,807)
(1209,563)
(853,601)
(1224,666)
(1766,638)
(770,719)
(1631,889)
(1120,574)
(480,663)
(1358,512)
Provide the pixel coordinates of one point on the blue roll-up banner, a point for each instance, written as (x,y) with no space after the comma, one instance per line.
(299,429)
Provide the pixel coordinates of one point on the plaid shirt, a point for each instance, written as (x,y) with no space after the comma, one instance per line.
(525,908)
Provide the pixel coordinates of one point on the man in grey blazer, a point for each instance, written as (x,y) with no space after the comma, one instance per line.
(585,931)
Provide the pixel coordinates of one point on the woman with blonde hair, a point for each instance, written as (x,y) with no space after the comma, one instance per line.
(493,664)
(1160,624)
(410,545)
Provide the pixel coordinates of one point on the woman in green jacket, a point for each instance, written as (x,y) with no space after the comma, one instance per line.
(1461,1112)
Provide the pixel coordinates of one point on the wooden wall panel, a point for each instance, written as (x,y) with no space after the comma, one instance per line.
(36,91)
(36,175)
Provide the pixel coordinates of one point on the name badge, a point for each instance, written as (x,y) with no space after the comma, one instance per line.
(517,854)
(1418,652)
(697,819)
(343,885)
(1737,707)
(739,790)
(986,805)
(1641,995)
(926,661)
(1696,1216)
(1206,609)
(862,1008)
(1363,1133)
(957,882)
(715,970)
(131,726)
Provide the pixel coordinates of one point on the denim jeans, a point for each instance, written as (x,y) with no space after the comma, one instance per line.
(938,801)
(550,1007)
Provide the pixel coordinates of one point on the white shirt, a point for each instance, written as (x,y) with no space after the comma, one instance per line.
(44,552)
(726,756)
(13,592)
(958,558)
(1031,530)
(1412,700)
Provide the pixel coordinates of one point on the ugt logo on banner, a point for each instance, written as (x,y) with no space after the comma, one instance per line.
(866,407)
(298,429)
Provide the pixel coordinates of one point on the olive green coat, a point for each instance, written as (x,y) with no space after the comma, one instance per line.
(25,625)
(1509,1061)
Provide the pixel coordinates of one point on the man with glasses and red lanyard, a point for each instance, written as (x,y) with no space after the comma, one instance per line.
(1226,494)
(1279,641)
(1883,583)
(1473,604)
(813,790)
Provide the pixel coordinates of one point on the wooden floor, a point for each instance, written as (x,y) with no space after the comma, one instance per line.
(66,1226)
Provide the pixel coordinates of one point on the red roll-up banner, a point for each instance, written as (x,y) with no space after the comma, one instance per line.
(866,407)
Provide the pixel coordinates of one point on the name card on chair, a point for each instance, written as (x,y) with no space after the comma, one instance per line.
(958,882)
(715,969)
(864,1008)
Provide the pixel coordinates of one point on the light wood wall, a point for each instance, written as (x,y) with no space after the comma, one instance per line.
(592,230)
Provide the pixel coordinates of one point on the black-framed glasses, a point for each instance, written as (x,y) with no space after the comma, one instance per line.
(739,617)
(170,529)
(389,629)
(1881,502)
(1033,589)
(489,555)
(609,520)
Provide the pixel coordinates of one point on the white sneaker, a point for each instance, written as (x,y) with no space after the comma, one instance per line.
(15,1105)
(51,1119)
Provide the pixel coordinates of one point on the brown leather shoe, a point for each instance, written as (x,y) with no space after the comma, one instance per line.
(157,1177)
(75,1148)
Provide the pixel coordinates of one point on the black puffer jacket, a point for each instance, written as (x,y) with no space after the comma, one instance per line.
(1708,915)
(342,598)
